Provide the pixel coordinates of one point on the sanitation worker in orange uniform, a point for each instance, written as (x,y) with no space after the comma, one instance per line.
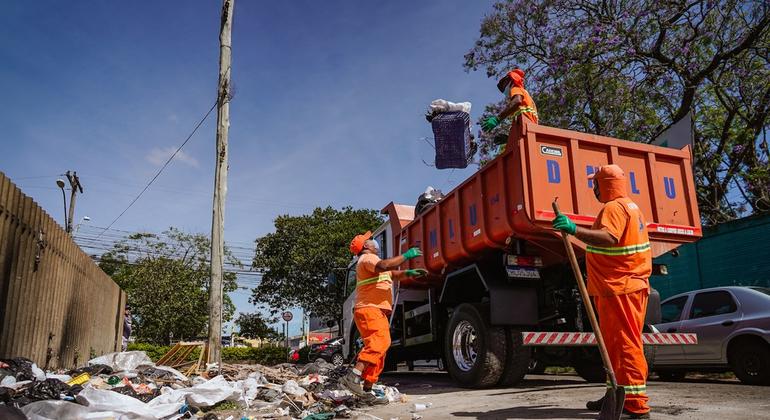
(519,102)
(374,303)
(619,264)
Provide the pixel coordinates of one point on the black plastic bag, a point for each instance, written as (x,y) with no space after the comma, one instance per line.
(21,368)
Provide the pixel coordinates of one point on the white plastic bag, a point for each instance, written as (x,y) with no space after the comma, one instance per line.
(57,409)
(127,360)
(442,105)
(291,387)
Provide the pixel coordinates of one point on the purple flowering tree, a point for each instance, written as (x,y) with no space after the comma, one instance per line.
(631,69)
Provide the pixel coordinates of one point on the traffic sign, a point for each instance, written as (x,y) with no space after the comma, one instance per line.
(287,316)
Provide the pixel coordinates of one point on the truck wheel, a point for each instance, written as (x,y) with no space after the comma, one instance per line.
(475,350)
(588,364)
(517,358)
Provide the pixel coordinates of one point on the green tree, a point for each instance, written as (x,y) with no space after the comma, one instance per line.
(631,69)
(166,278)
(255,325)
(299,256)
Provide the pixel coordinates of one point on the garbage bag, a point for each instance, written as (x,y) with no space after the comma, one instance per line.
(291,387)
(11,413)
(438,106)
(92,370)
(56,410)
(49,389)
(122,361)
(21,367)
(427,200)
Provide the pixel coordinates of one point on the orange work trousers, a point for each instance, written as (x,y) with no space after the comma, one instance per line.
(374,326)
(621,319)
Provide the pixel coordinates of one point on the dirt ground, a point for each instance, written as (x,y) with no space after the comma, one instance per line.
(564,397)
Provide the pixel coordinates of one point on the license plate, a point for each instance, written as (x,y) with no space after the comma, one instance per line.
(523,272)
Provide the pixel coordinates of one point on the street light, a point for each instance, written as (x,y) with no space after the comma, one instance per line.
(60,183)
(84,219)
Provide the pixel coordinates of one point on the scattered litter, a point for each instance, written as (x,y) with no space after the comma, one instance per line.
(416,416)
(421,406)
(128,385)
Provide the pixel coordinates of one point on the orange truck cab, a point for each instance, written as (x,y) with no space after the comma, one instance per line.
(497,271)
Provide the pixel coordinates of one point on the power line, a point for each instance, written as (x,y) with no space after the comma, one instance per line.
(163,167)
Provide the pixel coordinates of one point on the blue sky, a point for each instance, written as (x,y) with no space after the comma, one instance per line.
(328,107)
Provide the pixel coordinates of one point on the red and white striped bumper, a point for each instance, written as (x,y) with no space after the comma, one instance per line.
(588,339)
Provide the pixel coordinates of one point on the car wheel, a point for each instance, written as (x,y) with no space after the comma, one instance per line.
(475,350)
(751,363)
(337,359)
(671,375)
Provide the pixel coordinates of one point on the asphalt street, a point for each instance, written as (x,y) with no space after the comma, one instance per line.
(564,397)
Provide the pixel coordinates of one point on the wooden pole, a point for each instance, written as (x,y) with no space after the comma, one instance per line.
(75,187)
(220,186)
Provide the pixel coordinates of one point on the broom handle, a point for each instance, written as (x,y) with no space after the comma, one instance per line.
(587,302)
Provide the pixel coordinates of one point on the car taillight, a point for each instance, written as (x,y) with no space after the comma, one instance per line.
(295,356)
(322,347)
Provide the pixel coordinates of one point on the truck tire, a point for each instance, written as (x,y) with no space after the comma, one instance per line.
(517,358)
(475,350)
(588,364)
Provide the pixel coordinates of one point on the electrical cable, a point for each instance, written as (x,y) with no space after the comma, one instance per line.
(163,167)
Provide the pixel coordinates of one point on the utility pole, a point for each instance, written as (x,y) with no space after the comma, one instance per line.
(75,187)
(220,186)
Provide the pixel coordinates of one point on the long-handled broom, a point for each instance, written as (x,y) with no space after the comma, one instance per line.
(612,408)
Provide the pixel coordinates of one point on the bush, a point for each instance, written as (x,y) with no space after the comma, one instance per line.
(268,355)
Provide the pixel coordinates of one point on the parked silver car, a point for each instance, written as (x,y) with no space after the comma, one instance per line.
(733,327)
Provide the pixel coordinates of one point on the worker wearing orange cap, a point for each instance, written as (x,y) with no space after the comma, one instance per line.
(619,264)
(519,101)
(371,312)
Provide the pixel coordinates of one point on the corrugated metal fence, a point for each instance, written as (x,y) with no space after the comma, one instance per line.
(56,306)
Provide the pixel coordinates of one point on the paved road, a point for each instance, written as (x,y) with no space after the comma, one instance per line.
(564,397)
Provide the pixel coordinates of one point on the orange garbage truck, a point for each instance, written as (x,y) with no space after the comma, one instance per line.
(500,298)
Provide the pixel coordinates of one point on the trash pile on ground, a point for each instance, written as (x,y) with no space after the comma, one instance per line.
(129,385)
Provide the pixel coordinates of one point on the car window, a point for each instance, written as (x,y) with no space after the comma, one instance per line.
(671,311)
(712,303)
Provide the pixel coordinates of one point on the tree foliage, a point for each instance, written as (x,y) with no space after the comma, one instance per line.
(299,256)
(632,68)
(166,278)
(255,325)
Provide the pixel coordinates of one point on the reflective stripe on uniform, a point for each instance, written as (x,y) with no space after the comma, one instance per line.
(380,278)
(632,389)
(523,110)
(619,250)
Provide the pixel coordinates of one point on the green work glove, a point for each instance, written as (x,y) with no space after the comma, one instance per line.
(564,224)
(490,123)
(417,272)
(412,253)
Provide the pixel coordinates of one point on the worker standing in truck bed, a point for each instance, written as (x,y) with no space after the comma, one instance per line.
(371,312)
(619,264)
(518,100)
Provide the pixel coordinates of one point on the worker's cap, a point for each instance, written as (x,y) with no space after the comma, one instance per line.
(515,76)
(357,244)
(608,172)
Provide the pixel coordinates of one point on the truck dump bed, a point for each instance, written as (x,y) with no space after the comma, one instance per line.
(511,197)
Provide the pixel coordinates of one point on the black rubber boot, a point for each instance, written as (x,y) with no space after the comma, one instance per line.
(595,405)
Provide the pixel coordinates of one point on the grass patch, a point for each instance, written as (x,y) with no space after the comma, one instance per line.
(560,370)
